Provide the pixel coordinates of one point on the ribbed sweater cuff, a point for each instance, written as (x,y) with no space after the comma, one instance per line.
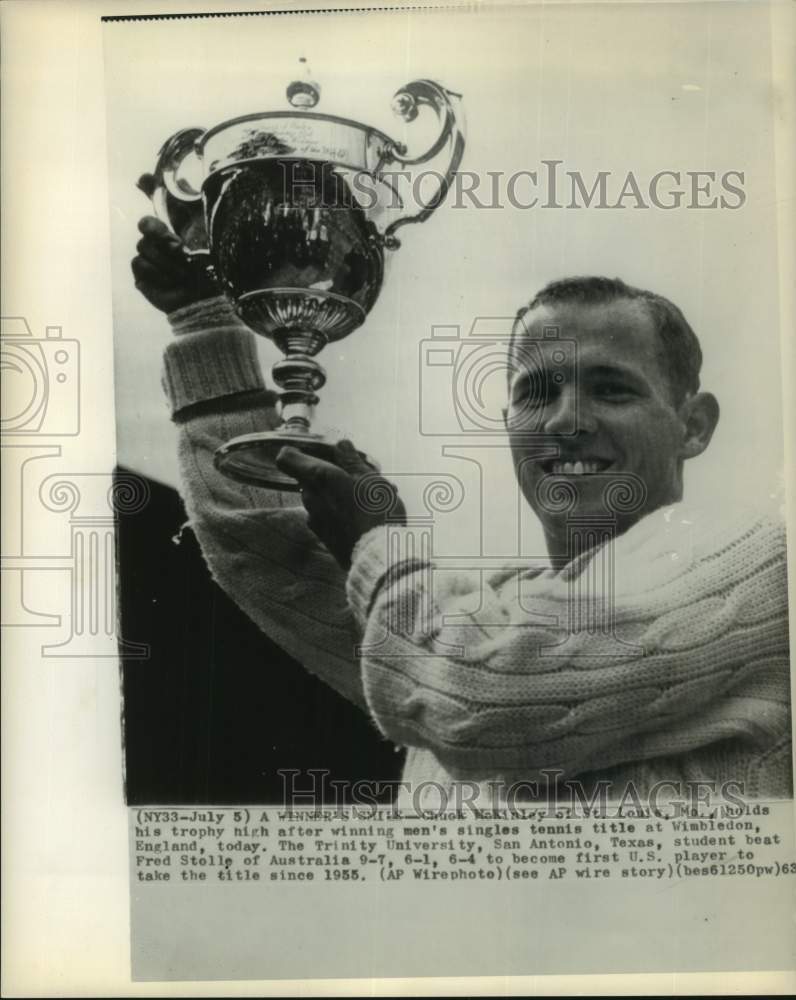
(368,567)
(205,315)
(213,355)
(378,561)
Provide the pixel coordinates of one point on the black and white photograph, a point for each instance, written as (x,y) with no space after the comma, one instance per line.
(450,371)
(414,458)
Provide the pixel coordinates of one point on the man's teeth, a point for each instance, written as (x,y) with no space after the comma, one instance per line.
(578,468)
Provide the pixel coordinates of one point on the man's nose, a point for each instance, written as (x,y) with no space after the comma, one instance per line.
(567,413)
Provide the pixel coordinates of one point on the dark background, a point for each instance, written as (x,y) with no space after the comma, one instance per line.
(218,708)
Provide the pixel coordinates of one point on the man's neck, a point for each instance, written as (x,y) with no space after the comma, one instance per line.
(569,538)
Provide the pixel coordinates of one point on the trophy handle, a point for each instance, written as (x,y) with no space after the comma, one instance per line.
(447,107)
(175,200)
(171,159)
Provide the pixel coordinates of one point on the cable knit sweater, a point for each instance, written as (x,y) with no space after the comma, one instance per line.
(471,681)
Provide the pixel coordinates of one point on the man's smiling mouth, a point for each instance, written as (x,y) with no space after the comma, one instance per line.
(581,467)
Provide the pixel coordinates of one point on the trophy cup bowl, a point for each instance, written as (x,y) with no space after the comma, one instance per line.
(295,239)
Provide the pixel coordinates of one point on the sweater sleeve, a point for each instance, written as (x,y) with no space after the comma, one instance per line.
(255,541)
(499,674)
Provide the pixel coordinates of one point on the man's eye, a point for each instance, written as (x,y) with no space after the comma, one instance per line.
(614,391)
(525,395)
(519,391)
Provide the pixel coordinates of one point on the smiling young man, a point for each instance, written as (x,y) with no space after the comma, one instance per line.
(623,400)
(479,674)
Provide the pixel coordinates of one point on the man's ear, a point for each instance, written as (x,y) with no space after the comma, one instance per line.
(700,414)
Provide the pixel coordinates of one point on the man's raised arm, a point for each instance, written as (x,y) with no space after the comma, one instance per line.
(256,542)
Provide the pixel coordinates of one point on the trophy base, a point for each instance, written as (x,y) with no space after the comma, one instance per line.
(251,458)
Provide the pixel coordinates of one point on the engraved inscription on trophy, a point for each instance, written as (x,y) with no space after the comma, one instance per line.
(316,139)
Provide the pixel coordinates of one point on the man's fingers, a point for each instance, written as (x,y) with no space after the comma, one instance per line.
(147,184)
(307,470)
(163,253)
(353,461)
(146,272)
(151,225)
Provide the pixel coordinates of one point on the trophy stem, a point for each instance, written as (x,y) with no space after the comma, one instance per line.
(298,415)
(251,458)
(299,377)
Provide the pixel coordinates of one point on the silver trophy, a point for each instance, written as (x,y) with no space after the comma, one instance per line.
(292,211)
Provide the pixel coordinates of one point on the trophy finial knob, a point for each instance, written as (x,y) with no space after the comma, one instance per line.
(304,93)
(404,106)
